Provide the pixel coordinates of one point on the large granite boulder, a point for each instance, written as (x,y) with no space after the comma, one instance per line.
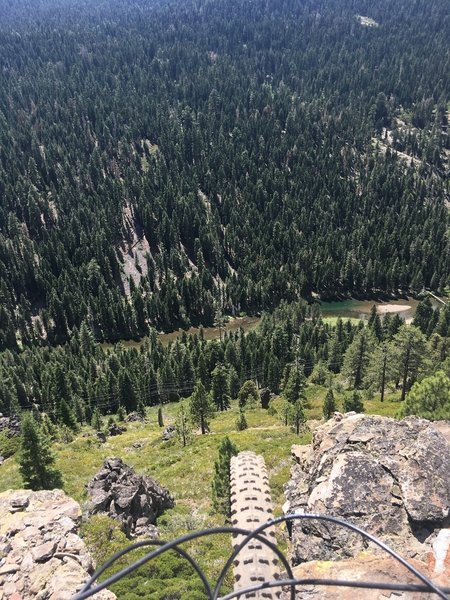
(389,477)
(41,554)
(135,500)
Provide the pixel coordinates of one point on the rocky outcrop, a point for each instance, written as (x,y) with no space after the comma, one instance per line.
(135,500)
(41,554)
(364,567)
(389,477)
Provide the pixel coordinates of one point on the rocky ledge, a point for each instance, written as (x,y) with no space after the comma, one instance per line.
(389,477)
(135,500)
(41,554)
(365,567)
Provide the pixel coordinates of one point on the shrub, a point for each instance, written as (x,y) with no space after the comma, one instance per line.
(429,399)
(248,395)
(272,411)
(354,403)
(36,458)
(241,421)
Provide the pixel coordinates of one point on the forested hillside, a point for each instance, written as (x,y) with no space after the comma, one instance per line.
(72,383)
(159,161)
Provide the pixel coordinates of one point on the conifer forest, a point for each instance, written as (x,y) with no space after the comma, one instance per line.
(165,164)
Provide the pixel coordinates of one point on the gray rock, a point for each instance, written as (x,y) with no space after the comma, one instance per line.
(8,568)
(19,503)
(134,416)
(32,569)
(44,551)
(388,477)
(115,429)
(100,499)
(169,432)
(135,500)
(101,436)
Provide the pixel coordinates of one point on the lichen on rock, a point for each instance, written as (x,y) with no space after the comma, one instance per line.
(389,477)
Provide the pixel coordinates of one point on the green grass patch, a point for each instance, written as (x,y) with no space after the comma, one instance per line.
(333,320)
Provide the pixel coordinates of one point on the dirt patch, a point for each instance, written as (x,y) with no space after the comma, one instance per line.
(384,309)
(133,251)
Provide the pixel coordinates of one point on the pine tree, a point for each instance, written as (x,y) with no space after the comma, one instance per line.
(160,417)
(67,416)
(121,413)
(233,381)
(96,421)
(220,387)
(248,395)
(127,392)
(167,383)
(80,409)
(285,411)
(297,415)
(429,399)
(374,323)
(379,370)
(182,424)
(202,369)
(329,405)
(140,409)
(201,407)
(354,403)
(356,358)
(221,491)
(47,427)
(273,374)
(409,352)
(36,460)
(424,314)
(295,386)
(320,374)
(86,339)
(241,421)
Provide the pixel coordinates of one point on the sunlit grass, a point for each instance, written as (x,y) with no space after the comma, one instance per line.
(333,320)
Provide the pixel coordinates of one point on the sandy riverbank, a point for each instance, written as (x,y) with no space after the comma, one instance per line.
(384,309)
